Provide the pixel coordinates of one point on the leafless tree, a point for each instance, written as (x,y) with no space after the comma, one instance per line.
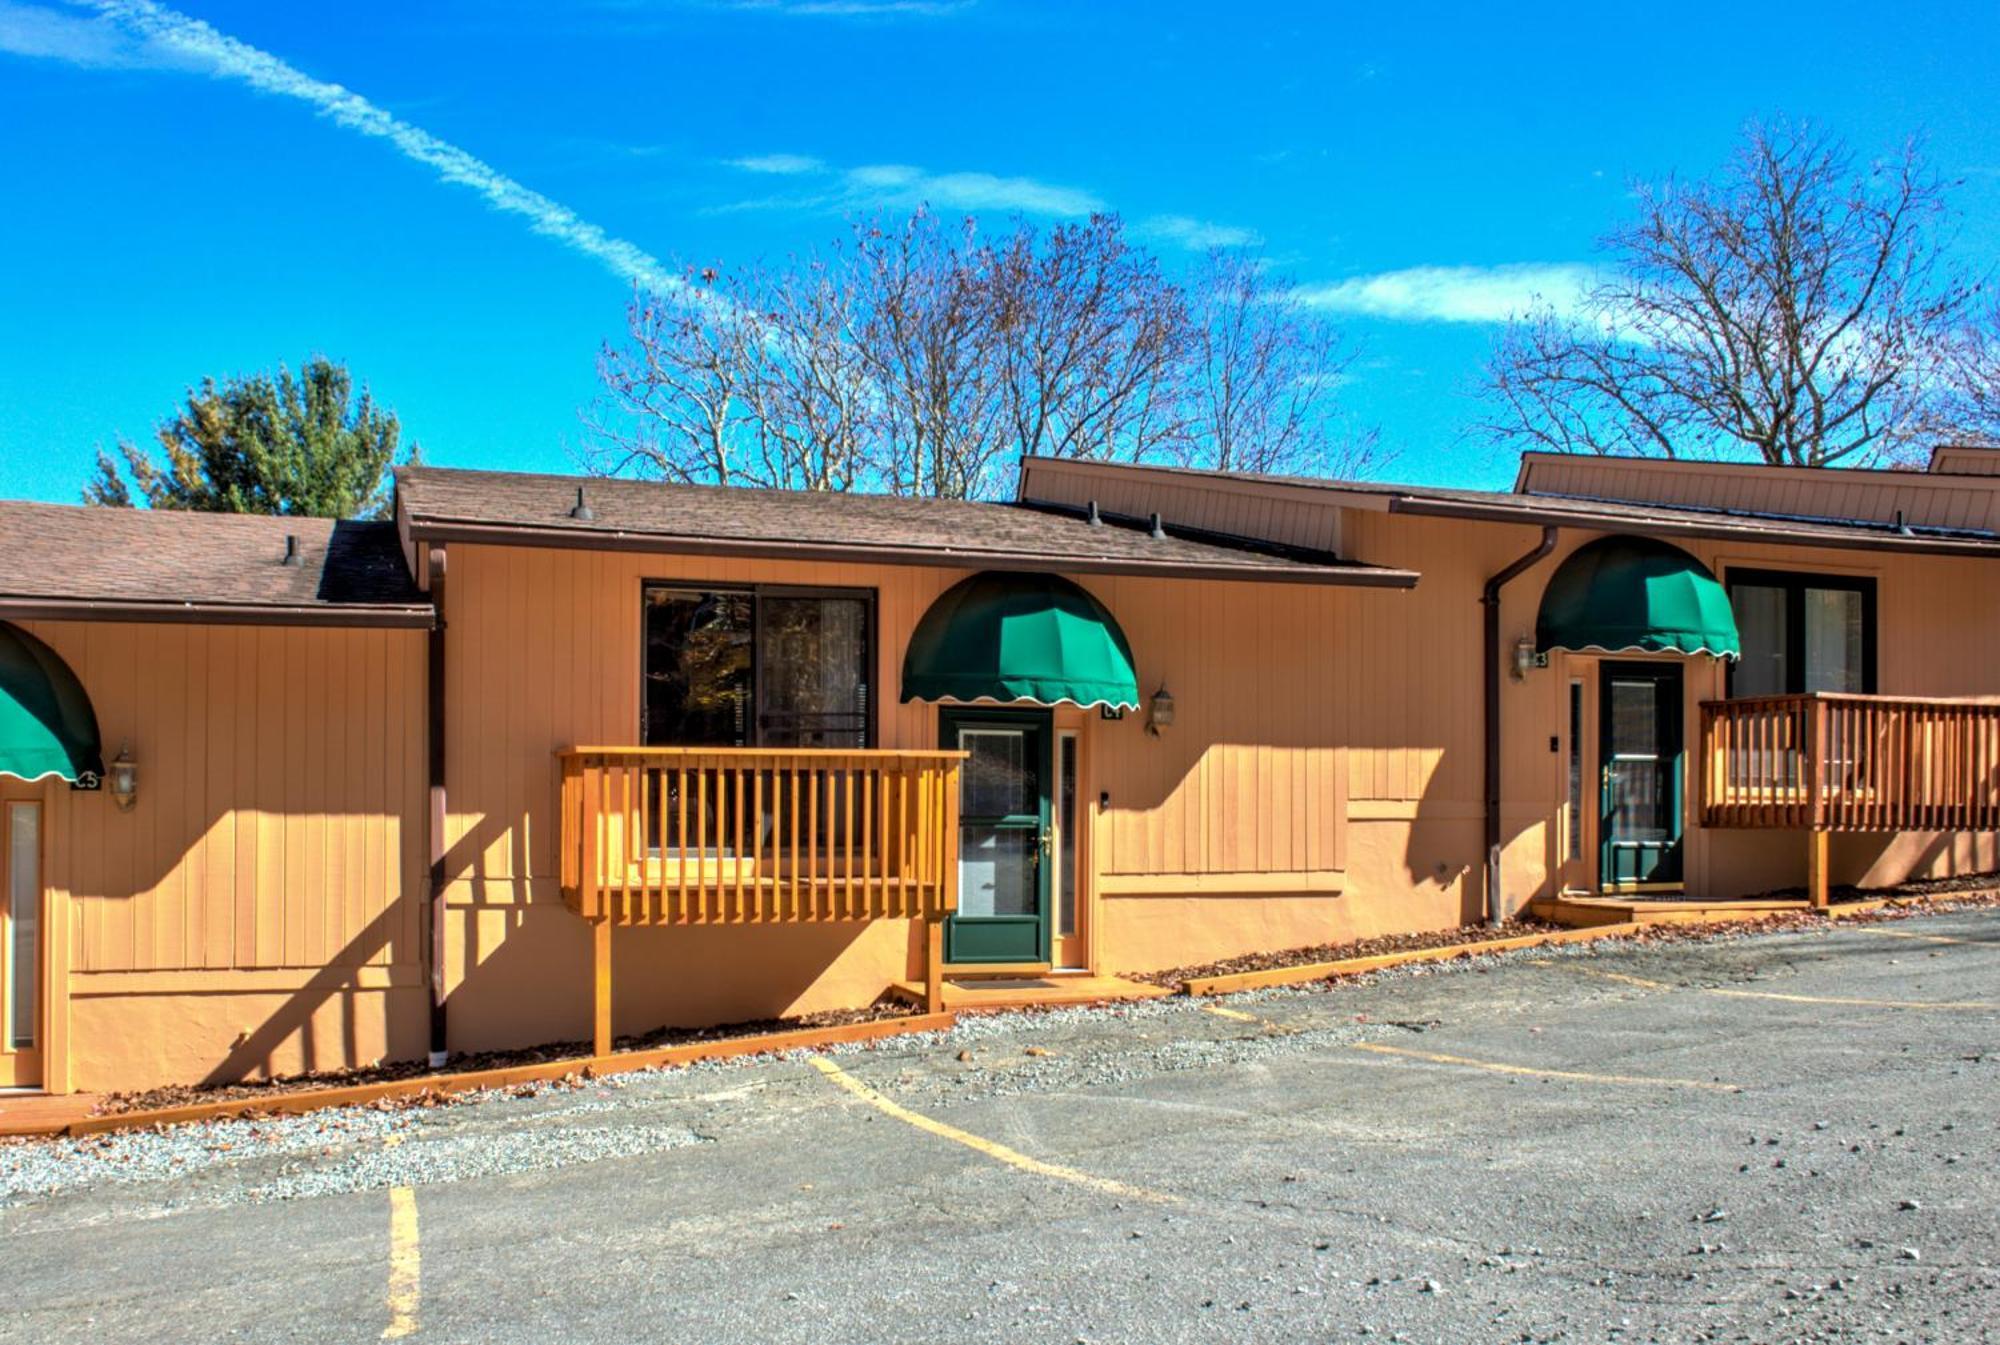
(1262,372)
(922,359)
(1969,409)
(928,342)
(1792,309)
(677,389)
(1091,338)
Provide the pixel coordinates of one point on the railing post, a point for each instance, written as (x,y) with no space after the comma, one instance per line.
(1815,754)
(600,1036)
(1818,887)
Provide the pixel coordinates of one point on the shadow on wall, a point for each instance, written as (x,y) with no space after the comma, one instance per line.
(405,1029)
(519,968)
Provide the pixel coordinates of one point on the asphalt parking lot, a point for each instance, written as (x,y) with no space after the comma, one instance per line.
(1790,1137)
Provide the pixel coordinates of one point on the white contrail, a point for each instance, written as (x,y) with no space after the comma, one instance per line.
(225,57)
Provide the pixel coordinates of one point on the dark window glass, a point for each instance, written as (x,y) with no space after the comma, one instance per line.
(813,657)
(1802,632)
(1834,619)
(1760,622)
(698,668)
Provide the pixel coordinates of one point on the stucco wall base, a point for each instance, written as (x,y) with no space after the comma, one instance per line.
(1750,863)
(126,1042)
(521,975)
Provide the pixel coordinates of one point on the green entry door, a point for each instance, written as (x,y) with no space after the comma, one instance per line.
(1640,748)
(1003,836)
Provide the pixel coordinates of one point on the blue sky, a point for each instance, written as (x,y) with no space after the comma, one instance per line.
(461,224)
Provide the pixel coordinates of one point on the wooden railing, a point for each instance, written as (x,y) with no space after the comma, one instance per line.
(678,836)
(1826,762)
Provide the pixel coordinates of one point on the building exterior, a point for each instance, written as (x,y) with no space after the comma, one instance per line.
(542,756)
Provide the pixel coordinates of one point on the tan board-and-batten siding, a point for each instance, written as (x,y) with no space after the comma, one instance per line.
(1244,794)
(268,880)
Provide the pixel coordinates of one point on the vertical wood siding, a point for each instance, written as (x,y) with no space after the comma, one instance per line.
(1923,500)
(544,653)
(280,798)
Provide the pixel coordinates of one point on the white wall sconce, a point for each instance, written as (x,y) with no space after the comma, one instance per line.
(1526,657)
(122,779)
(1160,712)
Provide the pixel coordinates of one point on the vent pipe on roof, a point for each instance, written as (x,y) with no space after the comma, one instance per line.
(1159,533)
(1094,519)
(291,549)
(1902,527)
(581,513)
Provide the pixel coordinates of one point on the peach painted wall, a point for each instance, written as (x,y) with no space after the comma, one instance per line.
(256,911)
(1218,832)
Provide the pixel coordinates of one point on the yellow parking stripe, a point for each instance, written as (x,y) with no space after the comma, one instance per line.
(405,1266)
(1000,1152)
(1236,1014)
(1905,934)
(1953,1006)
(1948,1005)
(1496,1067)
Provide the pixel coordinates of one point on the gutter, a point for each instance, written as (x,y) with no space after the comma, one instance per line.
(1653,525)
(431,936)
(401,617)
(1489,601)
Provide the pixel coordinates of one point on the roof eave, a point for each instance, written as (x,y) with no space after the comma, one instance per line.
(1675,527)
(376,616)
(586,539)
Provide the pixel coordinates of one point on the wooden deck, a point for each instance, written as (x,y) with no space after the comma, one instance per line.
(1032,992)
(1825,762)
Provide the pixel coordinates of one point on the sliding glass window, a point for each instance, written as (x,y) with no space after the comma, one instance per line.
(1802,632)
(758,667)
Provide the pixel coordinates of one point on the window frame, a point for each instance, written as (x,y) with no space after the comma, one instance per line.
(1794,583)
(757,593)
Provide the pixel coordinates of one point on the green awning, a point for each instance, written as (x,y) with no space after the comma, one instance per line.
(1007,636)
(1636,593)
(47,725)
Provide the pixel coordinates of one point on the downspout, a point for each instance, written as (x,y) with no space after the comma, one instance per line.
(434,923)
(1489,599)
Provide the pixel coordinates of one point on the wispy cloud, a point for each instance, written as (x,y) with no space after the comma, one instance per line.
(1454,293)
(1198,235)
(786,164)
(138,32)
(853,9)
(93,41)
(828,186)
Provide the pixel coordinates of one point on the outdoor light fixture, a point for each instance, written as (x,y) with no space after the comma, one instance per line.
(1160,714)
(124,779)
(1525,657)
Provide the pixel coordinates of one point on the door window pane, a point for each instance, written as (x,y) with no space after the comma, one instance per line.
(1066,817)
(1760,621)
(1833,640)
(996,871)
(813,653)
(24,904)
(1000,779)
(1575,838)
(1635,721)
(698,668)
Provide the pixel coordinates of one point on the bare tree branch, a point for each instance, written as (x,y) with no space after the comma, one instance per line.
(1792,309)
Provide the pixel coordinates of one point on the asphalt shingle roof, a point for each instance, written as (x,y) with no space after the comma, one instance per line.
(176,560)
(450,503)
